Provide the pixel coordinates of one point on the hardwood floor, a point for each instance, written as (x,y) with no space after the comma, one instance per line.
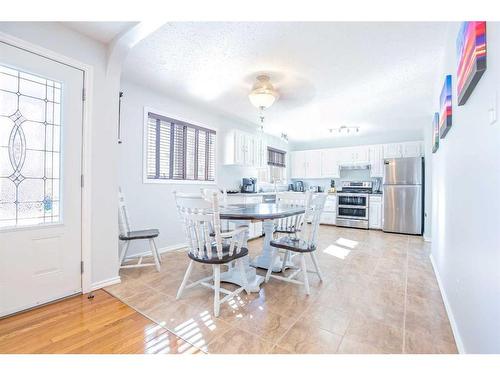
(103,324)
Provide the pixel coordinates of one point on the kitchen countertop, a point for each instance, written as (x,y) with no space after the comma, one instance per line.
(274,193)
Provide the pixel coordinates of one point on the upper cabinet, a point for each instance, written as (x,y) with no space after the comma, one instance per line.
(306,164)
(330,163)
(326,163)
(403,150)
(244,149)
(376,159)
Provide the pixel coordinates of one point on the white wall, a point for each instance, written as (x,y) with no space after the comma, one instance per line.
(152,205)
(466,206)
(55,37)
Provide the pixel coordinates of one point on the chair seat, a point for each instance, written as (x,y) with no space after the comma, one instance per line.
(214,259)
(292,244)
(287,231)
(140,234)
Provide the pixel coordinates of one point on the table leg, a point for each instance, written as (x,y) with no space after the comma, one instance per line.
(264,260)
(233,276)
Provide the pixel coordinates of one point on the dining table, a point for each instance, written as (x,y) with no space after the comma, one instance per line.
(242,214)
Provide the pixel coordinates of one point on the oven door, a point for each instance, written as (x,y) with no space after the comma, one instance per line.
(353,200)
(360,213)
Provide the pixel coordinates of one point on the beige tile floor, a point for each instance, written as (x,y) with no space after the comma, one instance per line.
(379,295)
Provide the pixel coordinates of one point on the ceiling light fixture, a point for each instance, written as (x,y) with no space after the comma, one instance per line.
(263,94)
(344,130)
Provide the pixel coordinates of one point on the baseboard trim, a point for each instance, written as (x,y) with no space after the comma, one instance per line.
(105,283)
(453,323)
(161,250)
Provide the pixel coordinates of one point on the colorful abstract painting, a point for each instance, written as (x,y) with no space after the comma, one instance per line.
(471,53)
(445,108)
(435,132)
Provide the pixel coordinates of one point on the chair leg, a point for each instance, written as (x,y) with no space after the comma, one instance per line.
(124,252)
(185,279)
(274,251)
(155,254)
(316,265)
(243,275)
(217,289)
(285,259)
(304,273)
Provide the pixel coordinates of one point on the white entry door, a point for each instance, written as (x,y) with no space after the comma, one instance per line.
(40,171)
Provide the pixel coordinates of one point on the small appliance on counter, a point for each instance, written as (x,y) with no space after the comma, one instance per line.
(332,189)
(298,186)
(316,188)
(249,185)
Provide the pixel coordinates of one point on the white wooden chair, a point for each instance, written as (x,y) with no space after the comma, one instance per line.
(303,241)
(208,244)
(292,224)
(126,236)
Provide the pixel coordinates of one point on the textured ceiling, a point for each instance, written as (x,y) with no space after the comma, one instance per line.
(103,32)
(379,76)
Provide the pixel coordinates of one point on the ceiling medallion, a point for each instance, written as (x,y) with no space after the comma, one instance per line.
(262,95)
(344,130)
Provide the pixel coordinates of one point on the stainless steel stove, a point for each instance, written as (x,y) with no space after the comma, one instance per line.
(352,204)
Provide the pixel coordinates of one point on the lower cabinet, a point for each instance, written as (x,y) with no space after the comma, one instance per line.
(329,215)
(375,212)
(255,229)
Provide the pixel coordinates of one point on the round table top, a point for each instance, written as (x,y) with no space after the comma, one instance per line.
(259,211)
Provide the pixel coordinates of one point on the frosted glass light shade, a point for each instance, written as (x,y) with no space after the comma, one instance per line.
(263,94)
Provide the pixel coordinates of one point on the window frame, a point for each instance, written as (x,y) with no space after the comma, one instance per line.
(145,179)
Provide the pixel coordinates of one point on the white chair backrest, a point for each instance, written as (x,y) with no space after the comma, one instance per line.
(292,223)
(313,214)
(123,218)
(207,194)
(201,220)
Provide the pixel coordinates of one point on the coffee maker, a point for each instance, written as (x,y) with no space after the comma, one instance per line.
(249,185)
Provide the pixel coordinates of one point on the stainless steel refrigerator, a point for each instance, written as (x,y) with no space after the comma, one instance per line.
(403,195)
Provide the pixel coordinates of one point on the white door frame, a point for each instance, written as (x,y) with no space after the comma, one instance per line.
(86,145)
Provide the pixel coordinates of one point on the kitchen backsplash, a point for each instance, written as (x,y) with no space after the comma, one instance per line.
(345,175)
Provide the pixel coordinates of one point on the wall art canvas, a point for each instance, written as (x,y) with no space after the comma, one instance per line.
(471,53)
(435,132)
(445,108)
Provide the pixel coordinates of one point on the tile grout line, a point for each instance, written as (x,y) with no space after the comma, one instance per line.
(406,298)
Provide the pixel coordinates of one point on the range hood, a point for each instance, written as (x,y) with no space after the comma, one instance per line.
(355,165)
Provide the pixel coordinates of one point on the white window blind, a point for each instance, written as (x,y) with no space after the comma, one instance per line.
(177,150)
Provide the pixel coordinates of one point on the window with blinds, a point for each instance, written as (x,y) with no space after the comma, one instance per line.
(177,150)
(275,157)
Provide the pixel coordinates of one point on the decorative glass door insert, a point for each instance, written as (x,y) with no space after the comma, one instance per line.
(30,149)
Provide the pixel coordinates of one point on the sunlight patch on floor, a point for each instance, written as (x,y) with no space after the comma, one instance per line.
(337,251)
(351,244)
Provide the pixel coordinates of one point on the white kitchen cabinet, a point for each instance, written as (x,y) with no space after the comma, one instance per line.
(306,164)
(298,164)
(245,149)
(392,150)
(254,229)
(403,150)
(376,160)
(330,163)
(412,149)
(375,212)
(313,163)
(329,214)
